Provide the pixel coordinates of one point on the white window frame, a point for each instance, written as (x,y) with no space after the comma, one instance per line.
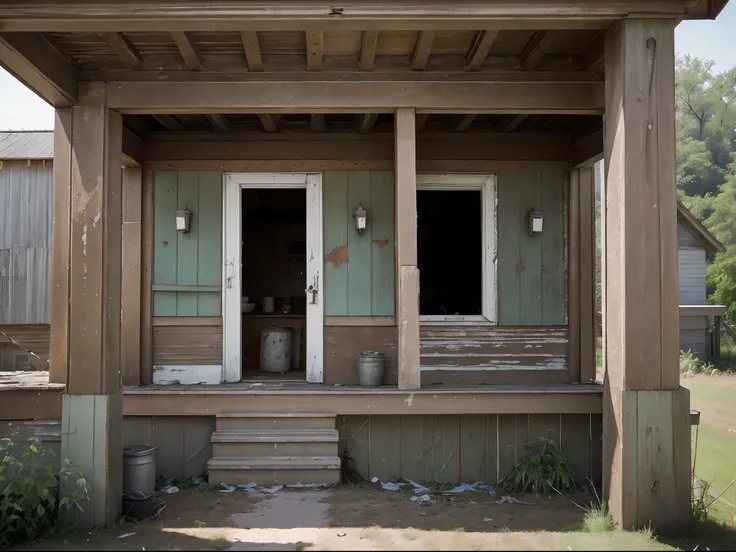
(486,183)
(231,275)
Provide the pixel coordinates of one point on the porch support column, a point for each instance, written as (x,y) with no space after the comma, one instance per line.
(407,304)
(646,413)
(130,338)
(92,404)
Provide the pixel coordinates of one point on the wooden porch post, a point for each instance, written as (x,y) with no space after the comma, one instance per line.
(130,339)
(406,249)
(92,404)
(646,423)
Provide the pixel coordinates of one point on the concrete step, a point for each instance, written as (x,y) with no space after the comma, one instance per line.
(274,470)
(279,420)
(248,443)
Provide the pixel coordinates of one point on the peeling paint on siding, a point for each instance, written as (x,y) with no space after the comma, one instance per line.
(338,256)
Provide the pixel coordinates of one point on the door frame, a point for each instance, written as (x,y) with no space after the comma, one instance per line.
(232,220)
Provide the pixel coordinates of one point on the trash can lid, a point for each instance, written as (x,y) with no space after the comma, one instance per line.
(139,450)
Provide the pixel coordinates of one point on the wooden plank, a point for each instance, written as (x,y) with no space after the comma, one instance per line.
(336,220)
(169,122)
(271,123)
(530,274)
(514,122)
(343,345)
(187,345)
(553,254)
(481,48)
(96,248)
(355,438)
(364,123)
(382,220)
(422,50)
(130,317)
(385,441)
(187,50)
(474,446)
(462,122)
(147,261)
(38,65)
(447,448)
(574,275)
(59,340)
(168,433)
(314,40)
(361,320)
(369,40)
(197,447)
(587,276)
(492,449)
(544,425)
(535,50)
(219,122)
(187,244)
(406,184)
(596,449)
(357,97)
(510,263)
(185,288)
(124,49)
(165,238)
(187,321)
(209,271)
(417,437)
(359,245)
(594,57)
(137,430)
(506,447)
(252,50)
(318,123)
(408,334)
(576,443)
(681,451)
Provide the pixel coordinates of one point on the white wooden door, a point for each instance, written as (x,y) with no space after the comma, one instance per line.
(231,274)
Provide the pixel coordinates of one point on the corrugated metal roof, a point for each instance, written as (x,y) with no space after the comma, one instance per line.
(31,144)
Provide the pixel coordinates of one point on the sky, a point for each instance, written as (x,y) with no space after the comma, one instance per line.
(21,109)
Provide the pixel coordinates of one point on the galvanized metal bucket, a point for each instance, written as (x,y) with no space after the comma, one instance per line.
(371,368)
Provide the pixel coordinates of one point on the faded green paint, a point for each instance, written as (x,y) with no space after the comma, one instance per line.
(359,268)
(453,448)
(531,287)
(194,258)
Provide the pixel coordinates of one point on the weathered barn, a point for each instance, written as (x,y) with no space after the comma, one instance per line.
(326,162)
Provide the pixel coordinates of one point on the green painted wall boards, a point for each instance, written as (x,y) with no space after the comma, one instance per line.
(194,258)
(359,268)
(531,269)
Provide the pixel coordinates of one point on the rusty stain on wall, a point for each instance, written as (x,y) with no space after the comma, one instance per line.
(520,267)
(338,256)
(381,243)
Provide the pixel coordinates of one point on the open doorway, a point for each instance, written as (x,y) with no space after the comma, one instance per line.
(274,234)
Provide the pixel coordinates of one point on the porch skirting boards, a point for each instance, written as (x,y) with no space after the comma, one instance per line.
(187,374)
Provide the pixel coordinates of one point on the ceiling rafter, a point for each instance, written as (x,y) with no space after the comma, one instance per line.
(315,50)
(187,51)
(318,123)
(480,49)
(421,120)
(461,123)
(534,50)
(219,122)
(422,50)
(271,123)
(135,123)
(124,49)
(513,122)
(252,50)
(169,122)
(365,122)
(368,43)
(594,57)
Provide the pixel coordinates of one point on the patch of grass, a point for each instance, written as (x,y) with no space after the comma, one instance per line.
(690,364)
(598,520)
(459,529)
(220,543)
(544,468)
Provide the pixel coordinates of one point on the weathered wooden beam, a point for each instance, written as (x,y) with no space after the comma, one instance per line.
(147,261)
(252,50)
(479,50)
(272,123)
(169,122)
(368,43)
(124,49)
(421,121)
(514,123)
(187,51)
(135,124)
(130,318)
(34,62)
(422,50)
(318,123)
(462,122)
(534,50)
(594,56)
(364,123)
(357,97)
(315,49)
(219,122)
(132,148)
(587,151)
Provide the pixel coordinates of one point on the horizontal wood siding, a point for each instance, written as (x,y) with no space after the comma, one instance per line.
(492,354)
(183,442)
(685,240)
(531,269)
(34,337)
(343,345)
(691,268)
(453,448)
(190,345)
(359,268)
(694,334)
(193,258)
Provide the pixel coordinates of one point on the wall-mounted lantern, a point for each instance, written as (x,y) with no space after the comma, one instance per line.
(361,219)
(534,222)
(183,219)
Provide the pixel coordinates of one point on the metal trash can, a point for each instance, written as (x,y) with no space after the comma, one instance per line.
(139,480)
(276,350)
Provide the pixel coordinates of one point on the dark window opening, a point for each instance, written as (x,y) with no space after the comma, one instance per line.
(450,252)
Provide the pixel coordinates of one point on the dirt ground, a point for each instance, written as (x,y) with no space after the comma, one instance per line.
(353,518)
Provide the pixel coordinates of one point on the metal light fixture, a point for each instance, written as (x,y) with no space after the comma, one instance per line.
(183,219)
(361,219)
(535,222)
